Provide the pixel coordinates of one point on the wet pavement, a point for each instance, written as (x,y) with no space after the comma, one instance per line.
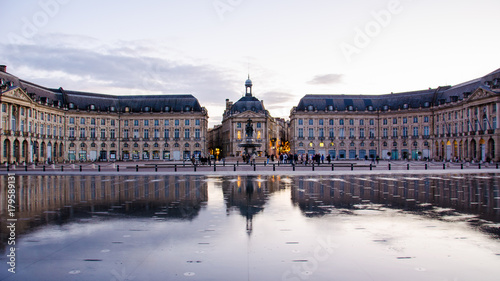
(322,227)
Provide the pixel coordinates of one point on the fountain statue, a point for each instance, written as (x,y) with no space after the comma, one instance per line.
(249,144)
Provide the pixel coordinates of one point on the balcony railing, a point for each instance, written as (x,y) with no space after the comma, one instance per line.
(414,137)
(311,138)
(425,137)
(491,132)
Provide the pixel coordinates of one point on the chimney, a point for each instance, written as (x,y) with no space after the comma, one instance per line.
(3,68)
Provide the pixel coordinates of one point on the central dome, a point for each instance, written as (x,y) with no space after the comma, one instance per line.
(248,83)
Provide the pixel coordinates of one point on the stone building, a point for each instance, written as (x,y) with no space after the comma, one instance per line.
(447,123)
(54,125)
(227,136)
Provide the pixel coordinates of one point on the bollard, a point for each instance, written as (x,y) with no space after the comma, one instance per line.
(352,167)
(444,166)
(137,168)
(98,168)
(313,166)
(371,167)
(461,166)
(195,167)
(479,166)
(254,167)
(333,166)
(7,167)
(26,167)
(389,166)
(42,167)
(426,166)
(234,167)
(278,163)
(117,168)
(265,164)
(224,162)
(293,167)
(80,168)
(497,165)
(408,167)
(62,168)
(274,167)
(175,167)
(156,168)
(237,163)
(215,167)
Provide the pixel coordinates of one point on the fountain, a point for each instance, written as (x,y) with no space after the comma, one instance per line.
(249,144)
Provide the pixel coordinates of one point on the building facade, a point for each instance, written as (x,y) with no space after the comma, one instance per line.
(225,138)
(54,125)
(447,123)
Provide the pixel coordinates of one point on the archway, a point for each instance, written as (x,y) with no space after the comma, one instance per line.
(61,150)
(443,151)
(482,149)
(6,151)
(461,150)
(491,149)
(49,152)
(473,150)
(42,152)
(466,149)
(25,152)
(17,151)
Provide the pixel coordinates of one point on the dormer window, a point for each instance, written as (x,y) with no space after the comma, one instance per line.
(187,108)
(71,105)
(112,109)
(350,108)
(330,108)
(146,109)
(385,107)
(310,107)
(167,108)
(92,107)
(127,109)
(370,108)
(406,106)
(427,104)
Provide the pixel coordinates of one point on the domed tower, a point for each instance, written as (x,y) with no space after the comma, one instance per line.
(248,87)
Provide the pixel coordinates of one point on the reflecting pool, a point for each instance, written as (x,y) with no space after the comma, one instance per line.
(363,227)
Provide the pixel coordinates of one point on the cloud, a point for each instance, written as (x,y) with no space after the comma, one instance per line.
(122,68)
(326,79)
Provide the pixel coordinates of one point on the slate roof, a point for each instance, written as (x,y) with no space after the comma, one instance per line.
(103,102)
(394,101)
(248,103)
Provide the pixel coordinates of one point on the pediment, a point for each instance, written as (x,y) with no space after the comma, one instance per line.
(481,93)
(17,93)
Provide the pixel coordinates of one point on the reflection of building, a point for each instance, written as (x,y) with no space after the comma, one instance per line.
(459,122)
(231,132)
(41,124)
(318,196)
(44,198)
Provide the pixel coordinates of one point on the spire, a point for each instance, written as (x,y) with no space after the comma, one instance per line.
(248,87)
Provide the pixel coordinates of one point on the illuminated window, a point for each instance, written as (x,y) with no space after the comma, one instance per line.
(321,144)
(239,134)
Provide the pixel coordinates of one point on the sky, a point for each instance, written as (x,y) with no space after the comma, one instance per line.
(207,48)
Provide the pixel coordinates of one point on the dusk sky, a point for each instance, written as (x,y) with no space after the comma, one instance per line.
(290,48)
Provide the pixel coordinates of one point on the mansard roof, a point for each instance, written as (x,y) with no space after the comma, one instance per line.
(247,103)
(102,102)
(394,101)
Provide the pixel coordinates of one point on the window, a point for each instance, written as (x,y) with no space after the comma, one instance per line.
(238,125)
(71,132)
(112,134)
(125,134)
(176,122)
(394,132)
(301,122)
(372,122)
(394,120)
(361,122)
(311,122)
(157,122)
(259,125)
(125,123)
(415,119)
(146,123)
(372,133)
(330,122)
(103,122)
(146,133)
(341,133)
(82,121)
(426,119)
(4,109)
(415,131)
(321,132)
(136,122)
(311,132)
(405,131)
(103,133)
(197,122)
(82,132)
(176,133)
(320,122)
(186,133)
(341,122)
(92,133)
(494,123)
(405,120)
(72,120)
(197,133)
(384,121)
(156,133)
(136,133)
(351,122)
(301,133)
(332,133)
(167,123)
(92,121)
(362,132)
(186,122)
(166,133)
(351,132)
